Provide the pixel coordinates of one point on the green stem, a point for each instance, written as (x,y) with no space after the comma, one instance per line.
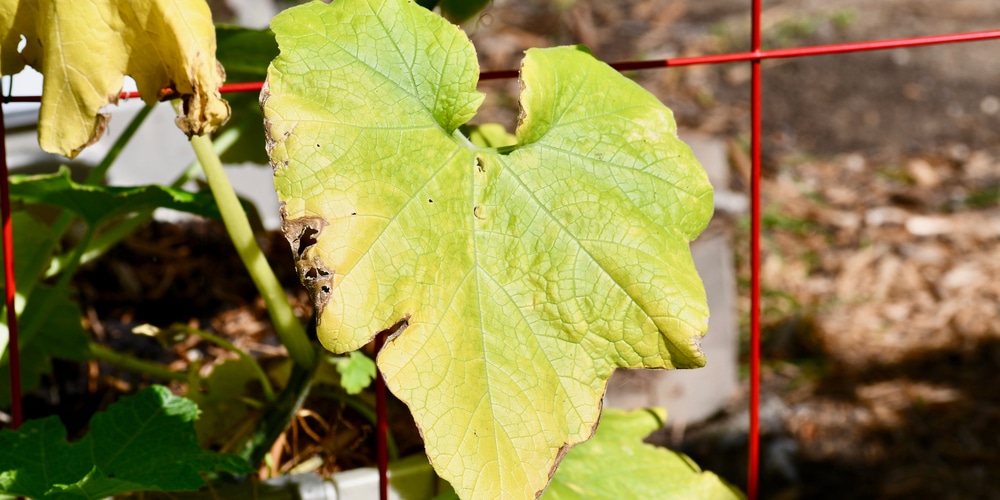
(288,327)
(278,415)
(217,340)
(111,357)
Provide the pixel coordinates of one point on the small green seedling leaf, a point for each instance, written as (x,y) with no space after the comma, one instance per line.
(95,204)
(356,372)
(515,281)
(143,442)
(615,463)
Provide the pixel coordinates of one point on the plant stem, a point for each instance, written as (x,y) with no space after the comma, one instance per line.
(288,327)
(278,415)
(217,340)
(156,370)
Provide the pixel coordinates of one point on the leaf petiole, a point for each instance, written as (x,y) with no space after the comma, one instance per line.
(288,327)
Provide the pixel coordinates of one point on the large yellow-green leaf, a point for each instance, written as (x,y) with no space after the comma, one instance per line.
(85,47)
(516,281)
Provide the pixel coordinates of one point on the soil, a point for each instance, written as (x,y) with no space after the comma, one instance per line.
(881,259)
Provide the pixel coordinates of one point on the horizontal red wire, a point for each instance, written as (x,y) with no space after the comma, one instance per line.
(816,50)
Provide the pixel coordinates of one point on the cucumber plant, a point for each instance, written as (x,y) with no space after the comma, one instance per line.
(512,273)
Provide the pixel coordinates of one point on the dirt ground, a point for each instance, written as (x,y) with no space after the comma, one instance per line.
(882,237)
(881,258)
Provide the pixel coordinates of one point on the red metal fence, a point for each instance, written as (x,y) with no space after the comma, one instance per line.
(754,56)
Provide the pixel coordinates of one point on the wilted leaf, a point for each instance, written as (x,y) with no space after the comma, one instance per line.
(518,282)
(85,48)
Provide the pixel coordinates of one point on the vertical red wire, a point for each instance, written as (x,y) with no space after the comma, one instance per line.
(13,350)
(755,120)
(381,425)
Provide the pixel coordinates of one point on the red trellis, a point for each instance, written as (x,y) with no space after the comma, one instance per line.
(754,56)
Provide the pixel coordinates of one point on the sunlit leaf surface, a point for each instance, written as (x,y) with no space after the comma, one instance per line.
(515,281)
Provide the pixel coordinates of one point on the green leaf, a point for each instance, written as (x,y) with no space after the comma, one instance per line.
(427,4)
(95,204)
(489,135)
(143,442)
(517,283)
(456,11)
(245,54)
(26,464)
(459,11)
(356,372)
(32,240)
(222,403)
(59,336)
(615,463)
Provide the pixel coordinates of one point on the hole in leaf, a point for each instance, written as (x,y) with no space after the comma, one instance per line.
(307,238)
(430,200)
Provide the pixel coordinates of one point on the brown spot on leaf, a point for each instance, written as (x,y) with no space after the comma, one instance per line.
(302,234)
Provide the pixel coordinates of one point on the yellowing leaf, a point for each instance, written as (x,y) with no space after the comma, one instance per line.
(518,279)
(14,13)
(84,48)
(615,464)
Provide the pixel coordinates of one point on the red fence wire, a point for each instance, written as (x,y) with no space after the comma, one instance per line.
(10,286)
(754,56)
(753,445)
